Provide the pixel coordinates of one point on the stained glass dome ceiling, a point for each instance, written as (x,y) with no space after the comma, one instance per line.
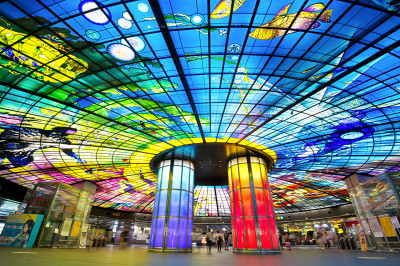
(92,90)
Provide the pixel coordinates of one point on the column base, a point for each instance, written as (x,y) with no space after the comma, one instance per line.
(257,251)
(176,250)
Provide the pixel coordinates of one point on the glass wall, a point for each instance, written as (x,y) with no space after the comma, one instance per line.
(253,223)
(375,200)
(173,207)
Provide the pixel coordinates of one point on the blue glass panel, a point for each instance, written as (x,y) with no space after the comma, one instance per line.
(174,203)
(185,178)
(184,204)
(189,233)
(176,178)
(191,173)
(172,236)
(165,177)
(157,197)
(153,227)
(190,214)
(182,233)
(163,203)
(159,234)
(159,178)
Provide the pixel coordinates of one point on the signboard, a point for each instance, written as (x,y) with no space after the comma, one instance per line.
(395,222)
(363,242)
(75,228)
(21,230)
(387,226)
(375,227)
(66,227)
(82,241)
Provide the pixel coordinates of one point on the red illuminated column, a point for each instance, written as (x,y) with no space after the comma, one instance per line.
(253,222)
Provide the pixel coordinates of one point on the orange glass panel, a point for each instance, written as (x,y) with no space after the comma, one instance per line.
(268,202)
(264,176)
(238,203)
(247,202)
(260,202)
(232,205)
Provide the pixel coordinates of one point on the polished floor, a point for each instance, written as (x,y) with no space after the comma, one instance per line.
(137,255)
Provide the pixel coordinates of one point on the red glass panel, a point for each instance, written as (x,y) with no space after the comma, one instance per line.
(251,237)
(232,205)
(273,233)
(240,233)
(238,203)
(234,242)
(265,233)
(268,202)
(260,201)
(264,176)
(247,202)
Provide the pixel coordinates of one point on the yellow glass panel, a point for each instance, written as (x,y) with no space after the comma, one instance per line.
(230,178)
(244,176)
(257,179)
(235,177)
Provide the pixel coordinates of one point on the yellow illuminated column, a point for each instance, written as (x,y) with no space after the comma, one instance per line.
(253,223)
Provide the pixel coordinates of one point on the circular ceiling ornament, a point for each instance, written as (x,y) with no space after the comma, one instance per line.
(121,52)
(92,34)
(100,16)
(352,135)
(124,23)
(197,19)
(143,7)
(136,42)
(127,16)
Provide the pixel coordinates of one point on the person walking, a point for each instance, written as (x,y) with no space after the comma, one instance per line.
(220,240)
(203,240)
(226,240)
(209,240)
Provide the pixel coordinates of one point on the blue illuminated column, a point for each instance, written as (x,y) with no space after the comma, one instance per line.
(171,229)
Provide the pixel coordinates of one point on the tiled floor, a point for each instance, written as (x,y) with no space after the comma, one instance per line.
(137,255)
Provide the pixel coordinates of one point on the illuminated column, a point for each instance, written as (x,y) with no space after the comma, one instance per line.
(171,229)
(253,222)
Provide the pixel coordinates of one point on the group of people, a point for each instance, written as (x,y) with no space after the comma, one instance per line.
(209,240)
(324,240)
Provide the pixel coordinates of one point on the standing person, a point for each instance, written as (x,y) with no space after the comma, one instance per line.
(122,237)
(226,240)
(126,237)
(203,240)
(287,242)
(220,240)
(209,240)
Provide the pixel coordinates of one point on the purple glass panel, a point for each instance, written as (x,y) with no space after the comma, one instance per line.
(172,235)
(159,235)
(183,230)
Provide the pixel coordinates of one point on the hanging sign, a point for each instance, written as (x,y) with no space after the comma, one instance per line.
(387,226)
